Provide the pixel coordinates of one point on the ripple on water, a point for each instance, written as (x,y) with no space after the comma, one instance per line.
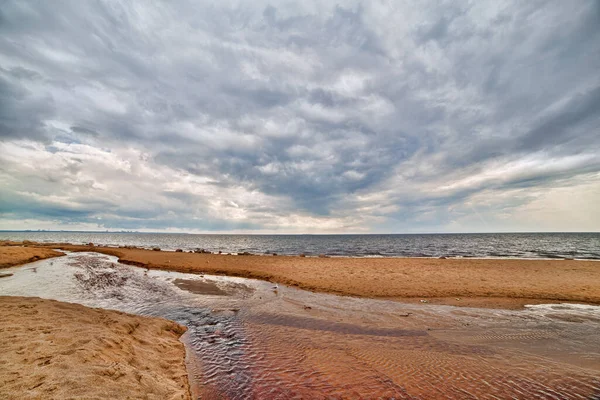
(319,364)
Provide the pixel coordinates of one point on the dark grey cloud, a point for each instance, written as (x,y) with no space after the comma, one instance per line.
(321,116)
(577,122)
(83,130)
(21,111)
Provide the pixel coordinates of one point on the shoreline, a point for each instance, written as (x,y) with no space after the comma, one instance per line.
(303,255)
(9,242)
(490,283)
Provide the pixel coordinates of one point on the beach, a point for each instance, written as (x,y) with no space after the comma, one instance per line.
(55,350)
(253,339)
(494,283)
(299,200)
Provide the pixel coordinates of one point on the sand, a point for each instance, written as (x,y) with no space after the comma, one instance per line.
(367,365)
(54,350)
(496,283)
(16,255)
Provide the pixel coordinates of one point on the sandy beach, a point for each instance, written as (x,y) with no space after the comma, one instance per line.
(495,283)
(16,255)
(289,343)
(54,350)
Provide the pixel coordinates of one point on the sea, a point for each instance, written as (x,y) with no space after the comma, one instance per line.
(474,245)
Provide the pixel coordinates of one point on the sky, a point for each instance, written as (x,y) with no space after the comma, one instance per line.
(300,116)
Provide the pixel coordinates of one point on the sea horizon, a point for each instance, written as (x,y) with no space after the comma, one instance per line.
(520,245)
(299,234)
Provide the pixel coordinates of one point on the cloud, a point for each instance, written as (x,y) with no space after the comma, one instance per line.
(297,116)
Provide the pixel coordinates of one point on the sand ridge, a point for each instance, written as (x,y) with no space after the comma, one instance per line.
(54,350)
(503,283)
(17,255)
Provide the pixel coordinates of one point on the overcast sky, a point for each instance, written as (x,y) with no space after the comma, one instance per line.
(300,116)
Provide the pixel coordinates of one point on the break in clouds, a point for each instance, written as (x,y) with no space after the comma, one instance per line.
(322,116)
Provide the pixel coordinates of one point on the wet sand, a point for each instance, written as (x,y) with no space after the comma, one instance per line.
(200,287)
(330,363)
(491,283)
(55,350)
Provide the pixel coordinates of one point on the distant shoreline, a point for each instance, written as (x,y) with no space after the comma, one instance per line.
(310,256)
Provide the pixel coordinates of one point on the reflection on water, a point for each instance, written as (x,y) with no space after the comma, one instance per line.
(249,339)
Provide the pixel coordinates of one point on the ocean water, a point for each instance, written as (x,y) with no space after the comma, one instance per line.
(488,245)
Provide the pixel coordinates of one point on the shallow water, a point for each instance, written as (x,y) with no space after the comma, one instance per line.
(252,339)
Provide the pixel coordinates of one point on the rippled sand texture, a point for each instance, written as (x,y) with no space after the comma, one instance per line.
(252,354)
(349,348)
(317,364)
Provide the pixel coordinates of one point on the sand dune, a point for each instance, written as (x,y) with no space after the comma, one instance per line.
(54,350)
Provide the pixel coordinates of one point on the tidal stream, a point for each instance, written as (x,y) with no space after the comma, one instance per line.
(250,339)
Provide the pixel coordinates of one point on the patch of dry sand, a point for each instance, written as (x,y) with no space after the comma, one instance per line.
(54,350)
(16,255)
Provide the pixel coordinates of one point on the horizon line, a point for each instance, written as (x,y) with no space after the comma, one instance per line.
(289,234)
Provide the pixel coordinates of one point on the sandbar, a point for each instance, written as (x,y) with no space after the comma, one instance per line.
(494,283)
(11,256)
